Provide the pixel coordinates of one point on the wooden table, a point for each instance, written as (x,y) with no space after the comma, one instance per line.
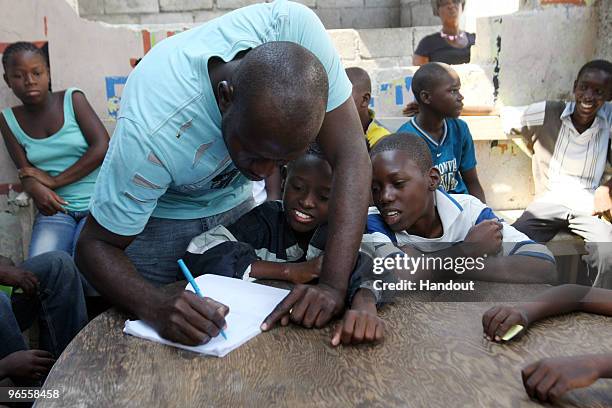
(434,355)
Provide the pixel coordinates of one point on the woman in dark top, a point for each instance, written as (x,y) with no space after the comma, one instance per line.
(451,45)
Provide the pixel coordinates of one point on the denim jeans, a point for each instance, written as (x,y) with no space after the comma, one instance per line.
(57,232)
(59,306)
(163,241)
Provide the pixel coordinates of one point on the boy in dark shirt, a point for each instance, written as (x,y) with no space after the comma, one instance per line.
(285,241)
(436,89)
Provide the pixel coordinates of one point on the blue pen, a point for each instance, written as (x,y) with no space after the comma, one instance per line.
(193,284)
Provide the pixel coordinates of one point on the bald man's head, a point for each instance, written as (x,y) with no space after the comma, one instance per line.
(277,103)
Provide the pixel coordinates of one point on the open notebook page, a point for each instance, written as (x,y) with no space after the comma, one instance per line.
(249,304)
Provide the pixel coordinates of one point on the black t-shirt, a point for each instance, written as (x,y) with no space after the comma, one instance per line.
(438,50)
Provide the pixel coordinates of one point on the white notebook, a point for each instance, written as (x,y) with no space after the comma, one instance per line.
(249,304)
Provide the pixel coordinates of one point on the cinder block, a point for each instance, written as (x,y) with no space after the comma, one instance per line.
(422,15)
(130,6)
(382,17)
(116,18)
(185,5)
(234,4)
(167,18)
(382,3)
(340,3)
(90,7)
(346,42)
(329,17)
(203,16)
(418,33)
(385,42)
(309,3)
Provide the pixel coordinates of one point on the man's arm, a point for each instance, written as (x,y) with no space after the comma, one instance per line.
(182,317)
(341,138)
(273,186)
(473,184)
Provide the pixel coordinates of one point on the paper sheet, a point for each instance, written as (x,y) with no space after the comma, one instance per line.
(249,304)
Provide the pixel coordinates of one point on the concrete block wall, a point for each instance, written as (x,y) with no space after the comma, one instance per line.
(333,13)
(538,51)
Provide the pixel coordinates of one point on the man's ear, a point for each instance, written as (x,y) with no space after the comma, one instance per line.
(434,178)
(575,86)
(6,80)
(365,100)
(226,94)
(283,175)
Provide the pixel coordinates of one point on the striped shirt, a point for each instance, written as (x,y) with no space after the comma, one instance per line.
(458,214)
(567,166)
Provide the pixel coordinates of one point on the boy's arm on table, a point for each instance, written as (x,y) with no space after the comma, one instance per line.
(470,177)
(182,317)
(360,322)
(515,269)
(555,301)
(550,378)
(341,139)
(231,251)
(482,242)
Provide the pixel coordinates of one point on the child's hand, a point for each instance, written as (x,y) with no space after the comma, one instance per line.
(551,377)
(27,364)
(41,176)
(19,278)
(602,201)
(304,272)
(499,319)
(46,200)
(361,323)
(485,238)
(411,109)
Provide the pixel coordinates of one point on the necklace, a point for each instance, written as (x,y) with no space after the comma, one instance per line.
(451,37)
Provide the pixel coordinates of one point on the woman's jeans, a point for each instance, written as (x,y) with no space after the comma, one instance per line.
(58,232)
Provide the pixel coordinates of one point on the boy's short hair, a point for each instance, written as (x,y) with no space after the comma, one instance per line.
(600,65)
(313,150)
(360,79)
(435,5)
(427,77)
(414,145)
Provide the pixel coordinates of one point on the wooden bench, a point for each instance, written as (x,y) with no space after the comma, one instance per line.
(566,247)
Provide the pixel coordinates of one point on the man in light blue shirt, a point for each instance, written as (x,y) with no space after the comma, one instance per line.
(203,113)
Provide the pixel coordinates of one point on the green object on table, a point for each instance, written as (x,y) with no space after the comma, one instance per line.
(514,330)
(6,289)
